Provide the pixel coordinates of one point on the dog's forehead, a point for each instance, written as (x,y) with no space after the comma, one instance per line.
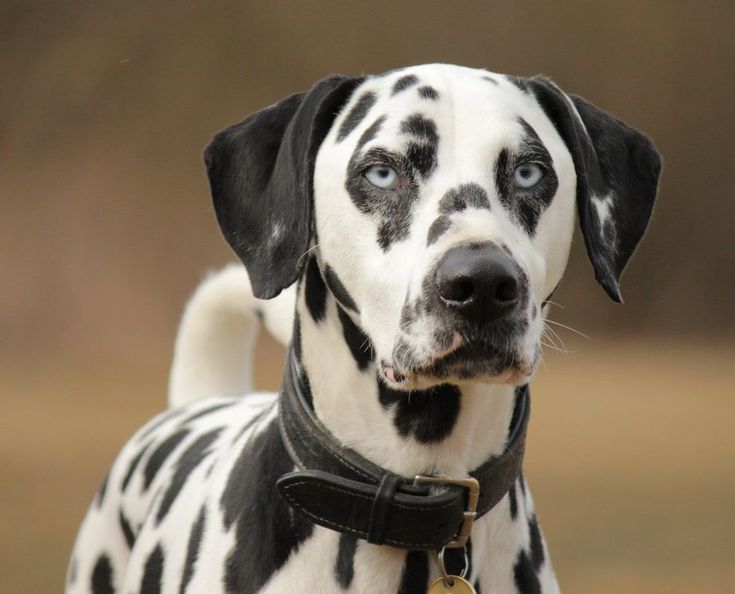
(452,100)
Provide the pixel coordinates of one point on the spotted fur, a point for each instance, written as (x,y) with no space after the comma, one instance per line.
(393,372)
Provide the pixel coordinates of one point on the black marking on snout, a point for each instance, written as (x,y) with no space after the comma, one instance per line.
(358,112)
(426,415)
(422,149)
(428,92)
(101,578)
(337,288)
(153,572)
(344,566)
(467,195)
(438,228)
(404,83)
(526,205)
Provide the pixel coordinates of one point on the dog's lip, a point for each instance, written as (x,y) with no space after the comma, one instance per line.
(394,375)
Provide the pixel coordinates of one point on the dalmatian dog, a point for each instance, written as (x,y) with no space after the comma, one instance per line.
(405,232)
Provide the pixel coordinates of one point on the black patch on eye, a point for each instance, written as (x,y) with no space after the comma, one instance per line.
(427,92)
(266,530)
(490,79)
(527,205)
(537,543)
(101,578)
(371,132)
(338,289)
(159,455)
(192,549)
(357,341)
(185,466)
(438,228)
(153,572)
(315,292)
(525,575)
(344,566)
(358,112)
(466,195)
(415,573)
(404,83)
(426,415)
(126,530)
(513,501)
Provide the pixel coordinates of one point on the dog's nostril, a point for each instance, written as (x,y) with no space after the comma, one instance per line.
(456,289)
(506,291)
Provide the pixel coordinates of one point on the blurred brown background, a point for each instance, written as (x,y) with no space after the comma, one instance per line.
(106,227)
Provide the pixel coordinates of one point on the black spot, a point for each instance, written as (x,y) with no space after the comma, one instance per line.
(478,590)
(513,501)
(192,549)
(133,466)
(159,455)
(522,484)
(438,228)
(126,530)
(315,291)
(426,415)
(338,289)
(421,153)
(206,411)
(153,572)
(371,132)
(490,79)
(344,566)
(356,114)
(357,341)
(102,491)
(466,195)
(185,465)
(525,576)
(266,531)
(427,92)
(415,574)
(404,83)
(296,338)
(537,543)
(101,579)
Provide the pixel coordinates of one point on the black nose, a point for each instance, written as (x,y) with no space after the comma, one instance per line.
(479,281)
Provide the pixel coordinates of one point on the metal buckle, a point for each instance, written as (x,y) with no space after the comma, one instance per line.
(473,496)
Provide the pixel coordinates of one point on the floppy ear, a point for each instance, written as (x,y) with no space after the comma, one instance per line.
(617,176)
(261,176)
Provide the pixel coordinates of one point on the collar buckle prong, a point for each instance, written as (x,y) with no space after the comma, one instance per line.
(473,496)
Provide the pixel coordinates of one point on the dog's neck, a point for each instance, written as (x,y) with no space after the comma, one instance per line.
(450,430)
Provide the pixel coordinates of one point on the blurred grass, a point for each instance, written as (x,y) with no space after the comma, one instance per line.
(630,458)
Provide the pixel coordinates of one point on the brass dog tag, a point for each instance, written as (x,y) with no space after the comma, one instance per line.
(459,586)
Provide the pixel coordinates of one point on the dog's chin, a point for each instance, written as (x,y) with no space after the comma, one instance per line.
(462,366)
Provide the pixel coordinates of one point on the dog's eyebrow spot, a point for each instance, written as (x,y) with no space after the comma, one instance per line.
(404,83)
(419,126)
(490,79)
(338,289)
(465,196)
(438,228)
(421,153)
(427,92)
(371,132)
(356,114)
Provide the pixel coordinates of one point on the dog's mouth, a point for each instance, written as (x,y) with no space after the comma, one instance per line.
(462,359)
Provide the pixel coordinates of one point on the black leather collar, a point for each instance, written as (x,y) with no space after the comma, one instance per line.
(337,488)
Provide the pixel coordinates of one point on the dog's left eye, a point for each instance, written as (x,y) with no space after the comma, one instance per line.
(528,175)
(382,176)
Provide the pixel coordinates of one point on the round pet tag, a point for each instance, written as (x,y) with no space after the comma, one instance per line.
(459,586)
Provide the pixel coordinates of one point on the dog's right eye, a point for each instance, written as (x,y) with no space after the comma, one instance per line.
(382,176)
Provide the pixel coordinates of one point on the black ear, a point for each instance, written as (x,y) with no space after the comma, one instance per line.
(617,177)
(261,175)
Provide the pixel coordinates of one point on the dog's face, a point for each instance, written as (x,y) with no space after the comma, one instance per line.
(439,202)
(444,205)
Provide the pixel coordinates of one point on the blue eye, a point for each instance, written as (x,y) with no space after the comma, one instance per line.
(528,175)
(382,176)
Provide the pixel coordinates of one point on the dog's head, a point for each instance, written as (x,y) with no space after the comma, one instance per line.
(438,202)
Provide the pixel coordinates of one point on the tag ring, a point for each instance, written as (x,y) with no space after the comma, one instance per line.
(448,581)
